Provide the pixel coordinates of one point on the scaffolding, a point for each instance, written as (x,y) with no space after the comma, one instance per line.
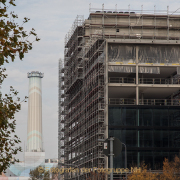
(83,80)
(61,117)
(83,106)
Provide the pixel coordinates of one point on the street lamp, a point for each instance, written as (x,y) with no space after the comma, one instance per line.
(125,159)
(112,147)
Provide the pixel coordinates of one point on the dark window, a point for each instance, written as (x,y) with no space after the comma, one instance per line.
(151,133)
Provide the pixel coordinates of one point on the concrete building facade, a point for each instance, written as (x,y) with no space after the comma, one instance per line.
(120,78)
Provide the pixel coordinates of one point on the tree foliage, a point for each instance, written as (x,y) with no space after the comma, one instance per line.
(96,176)
(14,40)
(37,173)
(8,108)
(13,37)
(171,170)
(143,174)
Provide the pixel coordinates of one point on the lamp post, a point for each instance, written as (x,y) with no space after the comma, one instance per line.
(125,159)
(112,147)
(111,157)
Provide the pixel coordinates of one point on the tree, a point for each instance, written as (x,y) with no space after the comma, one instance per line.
(54,173)
(13,41)
(39,173)
(143,174)
(96,176)
(171,170)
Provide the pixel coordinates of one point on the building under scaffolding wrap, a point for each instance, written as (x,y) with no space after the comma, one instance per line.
(120,78)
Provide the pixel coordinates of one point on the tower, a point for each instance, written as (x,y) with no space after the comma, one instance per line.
(34,130)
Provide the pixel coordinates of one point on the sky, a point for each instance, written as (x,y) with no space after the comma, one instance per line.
(52,19)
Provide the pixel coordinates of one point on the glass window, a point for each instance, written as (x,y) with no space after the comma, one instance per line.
(115,116)
(147,132)
(174,139)
(145,117)
(146,138)
(160,117)
(174,117)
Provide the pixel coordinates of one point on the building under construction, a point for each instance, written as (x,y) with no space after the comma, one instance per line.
(120,78)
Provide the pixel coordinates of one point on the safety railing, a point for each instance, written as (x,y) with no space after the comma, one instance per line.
(160,102)
(120,101)
(122,80)
(159,81)
(144,80)
(156,102)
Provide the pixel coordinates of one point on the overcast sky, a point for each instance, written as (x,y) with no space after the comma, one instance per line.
(52,19)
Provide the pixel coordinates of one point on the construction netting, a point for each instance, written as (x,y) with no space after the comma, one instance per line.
(122,53)
(146,53)
(131,69)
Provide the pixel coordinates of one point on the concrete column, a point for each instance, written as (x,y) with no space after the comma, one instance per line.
(137,77)
(171,81)
(168,22)
(103,20)
(142,98)
(137,101)
(138,140)
(106,98)
(171,100)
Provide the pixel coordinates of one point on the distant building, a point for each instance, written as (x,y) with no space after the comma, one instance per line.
(120,78)
(34,134)
(20,171)
(34,155)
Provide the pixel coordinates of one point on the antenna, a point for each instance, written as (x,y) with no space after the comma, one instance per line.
(103,7)
(141,9)
(89,7)
(167,10)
